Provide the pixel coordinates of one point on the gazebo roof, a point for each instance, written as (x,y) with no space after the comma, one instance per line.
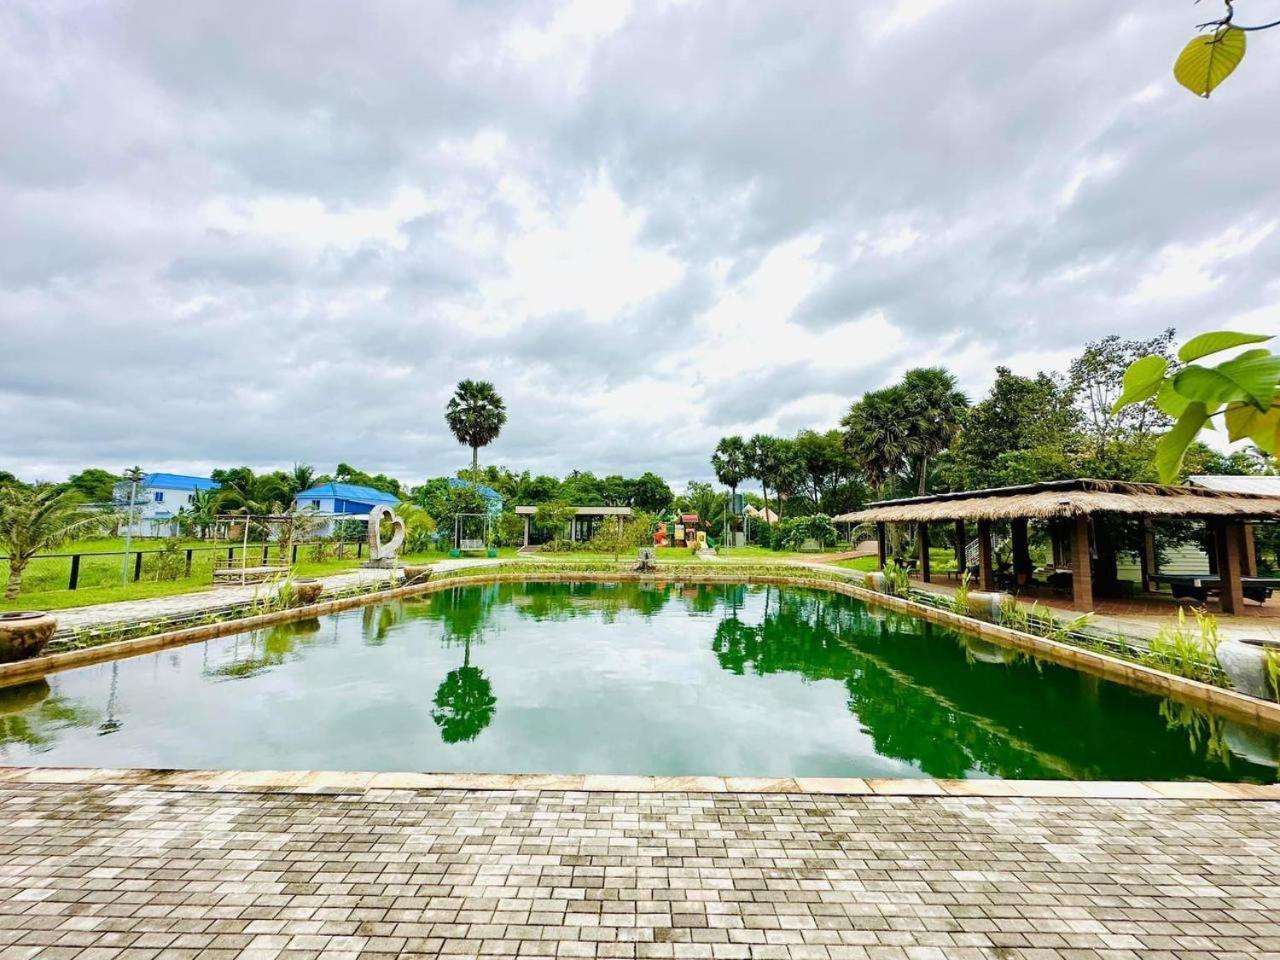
(1071,498)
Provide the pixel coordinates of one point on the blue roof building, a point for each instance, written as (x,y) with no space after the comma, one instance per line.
(344,498)
(160,497)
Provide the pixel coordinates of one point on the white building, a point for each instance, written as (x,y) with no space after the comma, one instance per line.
(159,498)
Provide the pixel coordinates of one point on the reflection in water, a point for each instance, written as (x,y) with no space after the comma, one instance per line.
(31,717)
(660,678)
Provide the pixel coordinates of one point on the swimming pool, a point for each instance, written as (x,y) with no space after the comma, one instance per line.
(639,678)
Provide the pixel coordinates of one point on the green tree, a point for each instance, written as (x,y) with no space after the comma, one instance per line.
(650,493)
(94,485)
(764,458)
(302,477)
(1025,430)
(476,415)
(35,518)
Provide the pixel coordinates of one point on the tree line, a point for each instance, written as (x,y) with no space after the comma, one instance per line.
(922,435)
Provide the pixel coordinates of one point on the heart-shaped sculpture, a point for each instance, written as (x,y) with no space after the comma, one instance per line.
(377,549)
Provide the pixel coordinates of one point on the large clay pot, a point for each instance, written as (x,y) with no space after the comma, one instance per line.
(23,634)
(307,591)
(416,573)
(986,606)
(1245,663)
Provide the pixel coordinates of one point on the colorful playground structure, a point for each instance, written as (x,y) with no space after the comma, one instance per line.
(682,530)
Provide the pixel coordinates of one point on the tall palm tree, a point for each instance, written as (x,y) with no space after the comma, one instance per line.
(476,415)
(762,463)
(730,462)
(877,437)
(35,518)
(935,409)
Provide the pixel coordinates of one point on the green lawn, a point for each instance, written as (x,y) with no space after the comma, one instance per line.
(941,560)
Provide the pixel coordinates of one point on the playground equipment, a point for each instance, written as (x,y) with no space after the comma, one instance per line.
(465,530)
(685,530)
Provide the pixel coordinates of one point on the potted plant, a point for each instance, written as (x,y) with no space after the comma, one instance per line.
(24,633)
(1253,666)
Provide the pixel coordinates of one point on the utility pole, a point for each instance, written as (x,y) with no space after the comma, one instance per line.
(135,476)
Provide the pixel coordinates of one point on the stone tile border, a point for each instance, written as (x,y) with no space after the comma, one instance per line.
(1235,705)
(338,781)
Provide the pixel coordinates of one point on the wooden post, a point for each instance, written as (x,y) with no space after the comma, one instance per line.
(1147,555)
(187,569)
(137,566)
(1021,552)
(882,542)
(265,553)
(961,543)
(922,539)
(1081,566)
(75,571)
(986,569)
(1227,537)
(1248,551)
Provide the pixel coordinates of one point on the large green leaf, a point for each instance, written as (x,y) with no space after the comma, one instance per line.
(1251,377)
(1206,61)
(1208,343)
(1142,381)
(1170,402)
(1262,427)
(1173,445)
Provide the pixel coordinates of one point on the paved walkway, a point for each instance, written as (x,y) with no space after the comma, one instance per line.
(107,871)
(156,607)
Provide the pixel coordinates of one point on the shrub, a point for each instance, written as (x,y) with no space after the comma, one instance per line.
(1185,651)
(792,533)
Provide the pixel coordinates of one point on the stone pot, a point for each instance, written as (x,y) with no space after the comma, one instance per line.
(416,573)
(875,581)
(307,591)
(986,606)
(24,633)
(1245,663)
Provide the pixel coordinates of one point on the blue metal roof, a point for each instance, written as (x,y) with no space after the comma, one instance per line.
(177,481)
(348,491)
(487,492)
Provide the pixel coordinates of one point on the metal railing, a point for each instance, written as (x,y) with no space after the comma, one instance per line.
(342,547)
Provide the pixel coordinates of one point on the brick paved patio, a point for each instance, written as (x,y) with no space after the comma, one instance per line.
(117,870)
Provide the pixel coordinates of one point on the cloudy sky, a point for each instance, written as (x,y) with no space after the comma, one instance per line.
(275,232)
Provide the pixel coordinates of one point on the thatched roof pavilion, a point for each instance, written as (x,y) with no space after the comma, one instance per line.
(1070,505)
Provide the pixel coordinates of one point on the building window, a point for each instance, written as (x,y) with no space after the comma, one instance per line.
(159,496)
(315,504)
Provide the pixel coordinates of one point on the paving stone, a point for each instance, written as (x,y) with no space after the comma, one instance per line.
(155,868)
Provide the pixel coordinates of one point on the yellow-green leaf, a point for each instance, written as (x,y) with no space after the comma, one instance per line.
(1208,343)
(1252,376)
(1173,445)
(1170,401)
(1206,61)
(1141,381)
(1262,427)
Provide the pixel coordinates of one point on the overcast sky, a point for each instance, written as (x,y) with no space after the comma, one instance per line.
(273,232)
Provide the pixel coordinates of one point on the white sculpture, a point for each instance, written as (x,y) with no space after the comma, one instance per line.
(380,552)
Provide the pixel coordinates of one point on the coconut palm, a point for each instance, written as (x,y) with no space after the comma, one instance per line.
(302,477)
(476,415)
(935,409)
(202,512)
(35,518)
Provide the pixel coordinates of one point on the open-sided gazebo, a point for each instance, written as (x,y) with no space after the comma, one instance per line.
(1069,507)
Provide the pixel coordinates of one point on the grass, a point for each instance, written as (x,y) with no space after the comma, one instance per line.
(941,560)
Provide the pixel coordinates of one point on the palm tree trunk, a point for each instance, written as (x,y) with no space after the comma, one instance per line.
(15,578)
(475,467)
(924,473)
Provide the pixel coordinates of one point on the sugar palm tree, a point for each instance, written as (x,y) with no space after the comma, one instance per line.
(730,463)
(934,409)
(35,518)
(762,463)
(476,415)
(877,436)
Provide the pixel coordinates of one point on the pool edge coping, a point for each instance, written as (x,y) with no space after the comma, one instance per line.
(1239,706)
(344,782)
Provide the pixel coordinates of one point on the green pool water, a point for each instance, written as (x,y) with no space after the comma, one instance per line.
(660,679)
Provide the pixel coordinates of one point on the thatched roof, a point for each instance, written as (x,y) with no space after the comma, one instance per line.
(1070,498)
